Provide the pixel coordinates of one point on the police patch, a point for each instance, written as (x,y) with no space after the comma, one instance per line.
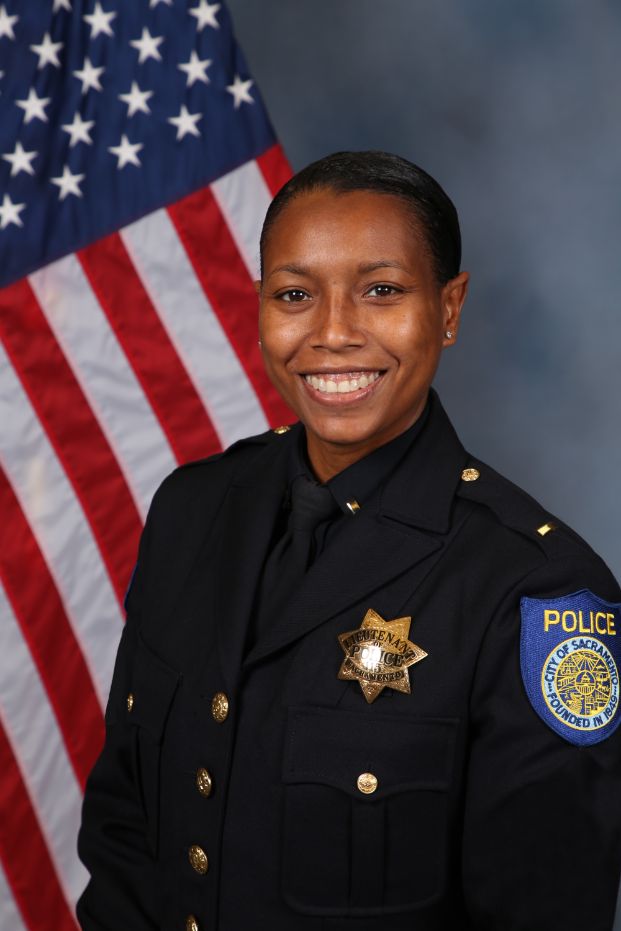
(570,654)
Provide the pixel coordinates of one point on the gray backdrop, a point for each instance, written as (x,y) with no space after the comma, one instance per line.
(515,107)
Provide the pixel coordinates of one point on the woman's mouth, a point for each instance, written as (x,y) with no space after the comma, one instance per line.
(341,382)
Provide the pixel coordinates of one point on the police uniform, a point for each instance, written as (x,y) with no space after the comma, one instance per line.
(459,769)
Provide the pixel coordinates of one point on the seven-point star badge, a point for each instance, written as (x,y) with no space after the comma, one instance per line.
(378,654)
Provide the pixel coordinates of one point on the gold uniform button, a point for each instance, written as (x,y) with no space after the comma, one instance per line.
(198,859)
(204,782)
(367,783)
(280,430)
(220,707)
(470,475)
(191,924)
(130,701)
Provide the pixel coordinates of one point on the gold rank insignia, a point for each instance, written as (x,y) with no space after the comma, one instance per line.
(378,655)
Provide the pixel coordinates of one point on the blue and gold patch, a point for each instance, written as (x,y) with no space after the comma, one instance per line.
(570,655)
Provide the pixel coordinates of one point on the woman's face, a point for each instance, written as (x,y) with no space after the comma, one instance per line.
(352,320)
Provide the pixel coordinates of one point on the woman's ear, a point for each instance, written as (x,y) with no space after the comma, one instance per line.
(453,297)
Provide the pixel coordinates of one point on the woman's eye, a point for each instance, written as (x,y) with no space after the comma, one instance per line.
(293,295)
(383,290)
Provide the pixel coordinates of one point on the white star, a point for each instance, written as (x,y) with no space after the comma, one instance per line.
(241,91)
(205,14)
(61,5)
(153,3)
(6,23)
(136,100)
(47,52)
(79,130)
(185,122)
(1,76)
(34,107)
(126,152)
(89,76)
(147,45)
(99,22)
(68,183)
(20,160)
(196,69)
(9,212)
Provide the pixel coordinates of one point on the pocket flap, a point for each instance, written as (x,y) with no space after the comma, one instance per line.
(335,747)
(153,687)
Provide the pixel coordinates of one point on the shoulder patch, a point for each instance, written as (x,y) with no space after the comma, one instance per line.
(570,654)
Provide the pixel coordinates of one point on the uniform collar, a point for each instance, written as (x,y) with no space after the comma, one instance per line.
(418,492)
(362,481)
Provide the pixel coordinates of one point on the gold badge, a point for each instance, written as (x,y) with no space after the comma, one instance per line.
(378,655)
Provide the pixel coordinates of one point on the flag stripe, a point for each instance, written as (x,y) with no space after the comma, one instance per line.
(75,434)
(59,526)
(27,863)
(38,745)
(275,168)
(230,291)
(193,328)
(108,382)
(10,917)
(243,197)
(49,635)
(145,342)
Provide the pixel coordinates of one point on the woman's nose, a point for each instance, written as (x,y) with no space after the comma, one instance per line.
(337,324)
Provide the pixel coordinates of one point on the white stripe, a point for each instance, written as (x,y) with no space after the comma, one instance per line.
(38,745)
(243,197)
(193,327)
(60,528)
(105,376)
(10,918)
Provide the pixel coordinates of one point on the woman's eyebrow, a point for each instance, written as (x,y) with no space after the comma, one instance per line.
(382,263)
(291,270)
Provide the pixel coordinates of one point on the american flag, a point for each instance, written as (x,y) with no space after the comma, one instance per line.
(136,165)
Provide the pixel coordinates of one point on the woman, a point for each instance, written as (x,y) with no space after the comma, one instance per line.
(365,682)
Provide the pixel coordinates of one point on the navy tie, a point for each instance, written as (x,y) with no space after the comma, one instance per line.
(311,505)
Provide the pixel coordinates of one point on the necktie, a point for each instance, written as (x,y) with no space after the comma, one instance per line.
(311,505)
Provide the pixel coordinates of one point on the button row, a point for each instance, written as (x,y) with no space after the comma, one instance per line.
(199,861)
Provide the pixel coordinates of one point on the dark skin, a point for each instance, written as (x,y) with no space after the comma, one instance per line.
(352,320)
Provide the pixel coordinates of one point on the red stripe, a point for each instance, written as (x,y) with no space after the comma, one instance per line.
(225,280)
(49,635)
(24,853)
(275,168)
(151,355)
(72,429)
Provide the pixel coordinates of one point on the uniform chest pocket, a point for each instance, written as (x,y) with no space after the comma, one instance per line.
(153,687)
(365,811)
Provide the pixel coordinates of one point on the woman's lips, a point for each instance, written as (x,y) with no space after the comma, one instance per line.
(341,382)
(340,387)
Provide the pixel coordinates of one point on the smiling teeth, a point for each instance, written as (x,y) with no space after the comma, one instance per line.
(338,385)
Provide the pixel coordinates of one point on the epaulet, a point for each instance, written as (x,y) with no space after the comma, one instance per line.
(247,442)
(517,510)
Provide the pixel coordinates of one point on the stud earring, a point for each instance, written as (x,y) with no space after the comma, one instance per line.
(449,334)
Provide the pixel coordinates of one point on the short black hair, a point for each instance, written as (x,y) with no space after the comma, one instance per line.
(383,173)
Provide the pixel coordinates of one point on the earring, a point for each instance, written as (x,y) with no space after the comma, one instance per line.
(258,342)
(449,334)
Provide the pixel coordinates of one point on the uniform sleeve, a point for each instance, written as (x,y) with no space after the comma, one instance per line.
(542,829)
(113,841)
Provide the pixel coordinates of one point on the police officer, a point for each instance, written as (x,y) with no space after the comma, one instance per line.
(365,682)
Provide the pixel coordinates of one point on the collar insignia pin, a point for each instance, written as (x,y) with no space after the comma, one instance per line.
(378,655)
